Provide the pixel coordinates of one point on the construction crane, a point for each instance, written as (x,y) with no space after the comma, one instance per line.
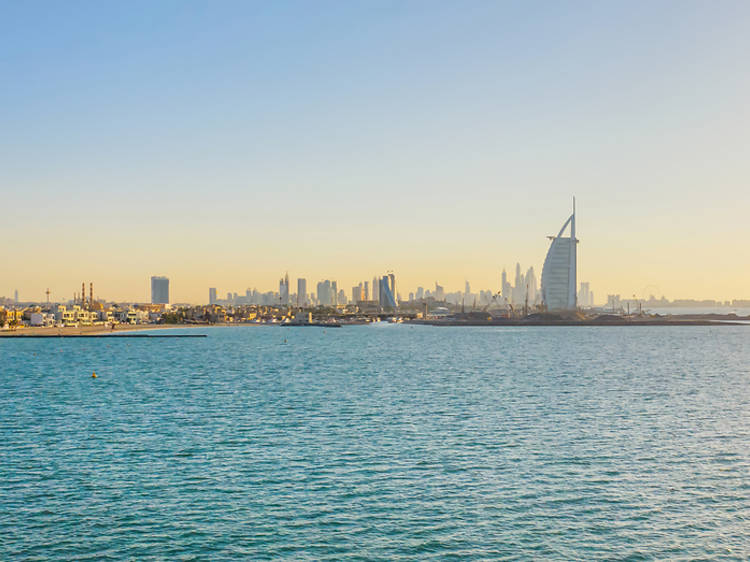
(492,300)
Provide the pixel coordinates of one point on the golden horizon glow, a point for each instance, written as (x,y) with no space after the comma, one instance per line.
(232,144)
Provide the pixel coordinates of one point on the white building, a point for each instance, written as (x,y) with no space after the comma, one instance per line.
(559,270)
(41,319)
(133,316)
(75,316)
(585,296)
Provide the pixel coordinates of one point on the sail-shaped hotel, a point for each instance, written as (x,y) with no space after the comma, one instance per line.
(559,270)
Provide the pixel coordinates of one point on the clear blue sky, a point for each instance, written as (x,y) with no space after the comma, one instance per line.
(223,143)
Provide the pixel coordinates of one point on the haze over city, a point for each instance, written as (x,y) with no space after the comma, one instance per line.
(440,141)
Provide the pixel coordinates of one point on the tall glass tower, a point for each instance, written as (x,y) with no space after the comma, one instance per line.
(159,290)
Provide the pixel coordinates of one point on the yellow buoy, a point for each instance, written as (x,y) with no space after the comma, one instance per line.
(93,375)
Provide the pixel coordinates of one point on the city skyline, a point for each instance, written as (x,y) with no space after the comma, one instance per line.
(437,140)
(557,288)
(524,288)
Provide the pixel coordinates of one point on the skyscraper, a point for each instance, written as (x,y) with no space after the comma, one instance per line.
(212,295)
(506,288)
(284,290)
(159,290)
(439,292)
(531,286)
(585,297)
(519,288)
(324,293)
(301,292)
(559,270)
(387,297)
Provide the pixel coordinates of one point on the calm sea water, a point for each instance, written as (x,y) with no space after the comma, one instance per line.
(387,442)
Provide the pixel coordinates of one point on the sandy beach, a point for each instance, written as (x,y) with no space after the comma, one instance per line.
(86,330)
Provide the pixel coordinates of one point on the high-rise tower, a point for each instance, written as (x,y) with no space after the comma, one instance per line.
(159,290)
(284,290)
(559,270)
(387,288)
(301,292)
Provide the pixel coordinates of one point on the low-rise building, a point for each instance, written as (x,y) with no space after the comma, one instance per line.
(75,316)
(133,316)
(42,319)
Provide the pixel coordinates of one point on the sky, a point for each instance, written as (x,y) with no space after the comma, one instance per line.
(225,143)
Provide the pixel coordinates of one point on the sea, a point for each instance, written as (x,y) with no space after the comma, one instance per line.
(380,442)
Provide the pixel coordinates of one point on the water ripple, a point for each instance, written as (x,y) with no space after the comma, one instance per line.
(379,443)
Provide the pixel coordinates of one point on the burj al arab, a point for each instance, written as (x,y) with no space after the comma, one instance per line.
(559,270)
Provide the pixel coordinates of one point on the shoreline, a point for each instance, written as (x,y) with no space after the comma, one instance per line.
(139,330)
(104,331)
(38,331)
(583,323)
